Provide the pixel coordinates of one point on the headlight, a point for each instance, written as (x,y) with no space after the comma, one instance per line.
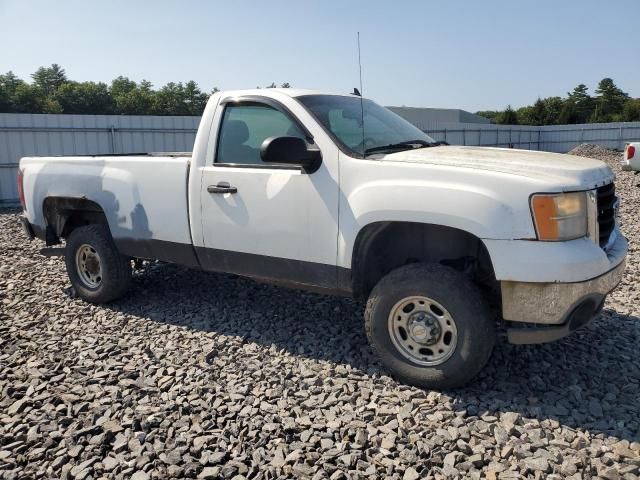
(560,216)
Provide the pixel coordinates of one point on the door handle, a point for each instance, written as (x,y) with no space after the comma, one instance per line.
(221,187)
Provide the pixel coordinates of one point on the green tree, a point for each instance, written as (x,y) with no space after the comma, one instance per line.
(583,103)
(85,98)
(631,110)
(49,79)
(507,117)
(50,105)
(532,114)
(180,99)
(552,109)
(490,114)
(539,112)
(569,113)
(195,99)
(140,101)
(27,99)
(121,86)
(545,111)
(171,100)
(610,101)
(8,84)
(144,97)
(131,98)
(10,80)
(525,115)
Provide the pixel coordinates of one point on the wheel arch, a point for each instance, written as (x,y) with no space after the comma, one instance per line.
(383,246)
(65,214)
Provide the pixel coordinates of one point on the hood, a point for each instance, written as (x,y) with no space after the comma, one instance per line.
(570,171)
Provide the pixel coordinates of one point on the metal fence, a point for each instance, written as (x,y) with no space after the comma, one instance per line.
(34,134)
(527,137)
(562,138)
(550,138)
(37,134)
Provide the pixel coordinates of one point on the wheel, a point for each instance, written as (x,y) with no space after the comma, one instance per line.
(429,326)
(97,271)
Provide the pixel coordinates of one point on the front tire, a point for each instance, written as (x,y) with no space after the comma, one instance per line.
(430,326)
(98,272)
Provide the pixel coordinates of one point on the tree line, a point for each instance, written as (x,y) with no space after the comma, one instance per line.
(50,91)
(610,104)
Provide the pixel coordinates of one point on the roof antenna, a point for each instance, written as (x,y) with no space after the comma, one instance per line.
(359,93)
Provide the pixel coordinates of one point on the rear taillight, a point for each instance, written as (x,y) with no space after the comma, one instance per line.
(21,189)
(631,151)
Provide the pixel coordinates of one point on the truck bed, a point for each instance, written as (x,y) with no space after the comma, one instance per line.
(143,196)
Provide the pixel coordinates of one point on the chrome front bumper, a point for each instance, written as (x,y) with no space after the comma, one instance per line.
(552,303)
(554,310)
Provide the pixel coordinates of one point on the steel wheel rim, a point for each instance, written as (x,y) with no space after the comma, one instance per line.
(422,330)
(88,266)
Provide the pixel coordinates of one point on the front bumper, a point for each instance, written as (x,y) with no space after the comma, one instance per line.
(551,303)
(573,304)
(557,308)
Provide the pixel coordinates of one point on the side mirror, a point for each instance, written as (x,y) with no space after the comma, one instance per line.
(290,151)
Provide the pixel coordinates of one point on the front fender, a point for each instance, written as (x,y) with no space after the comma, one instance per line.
(471,208)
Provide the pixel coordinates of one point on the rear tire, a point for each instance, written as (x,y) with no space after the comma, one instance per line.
(430,326)
(98,272)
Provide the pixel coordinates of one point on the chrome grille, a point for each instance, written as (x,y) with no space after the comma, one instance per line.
(607,202)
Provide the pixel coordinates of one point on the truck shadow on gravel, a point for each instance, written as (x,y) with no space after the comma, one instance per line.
(590,380)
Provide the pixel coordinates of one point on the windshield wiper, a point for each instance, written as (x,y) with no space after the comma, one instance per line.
(409,144)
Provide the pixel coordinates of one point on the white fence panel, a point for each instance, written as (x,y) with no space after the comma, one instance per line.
(550,138)
(516,136)
(562,138)
(38,134)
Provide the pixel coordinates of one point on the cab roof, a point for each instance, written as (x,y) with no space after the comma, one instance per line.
(290,92)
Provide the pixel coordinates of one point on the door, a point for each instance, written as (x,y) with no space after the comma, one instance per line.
(268,221)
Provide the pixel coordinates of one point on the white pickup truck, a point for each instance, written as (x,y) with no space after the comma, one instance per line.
(337,194)
(631,158)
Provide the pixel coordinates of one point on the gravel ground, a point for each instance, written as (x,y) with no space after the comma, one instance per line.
(209,376)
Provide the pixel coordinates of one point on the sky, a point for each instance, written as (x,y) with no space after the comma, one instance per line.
(471,54)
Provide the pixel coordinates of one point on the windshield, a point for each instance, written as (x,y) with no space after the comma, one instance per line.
(383,131)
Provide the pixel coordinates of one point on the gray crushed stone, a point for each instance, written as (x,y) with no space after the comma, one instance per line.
(207,376)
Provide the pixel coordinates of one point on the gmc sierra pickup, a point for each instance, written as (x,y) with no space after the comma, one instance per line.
(337,194)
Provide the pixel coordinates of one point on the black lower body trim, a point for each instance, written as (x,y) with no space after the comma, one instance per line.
(286,272)
(173,252)
(281,271)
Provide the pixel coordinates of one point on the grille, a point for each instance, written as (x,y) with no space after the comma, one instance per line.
(606,212)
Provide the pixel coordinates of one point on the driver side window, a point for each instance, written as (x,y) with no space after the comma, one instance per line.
(245,127)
